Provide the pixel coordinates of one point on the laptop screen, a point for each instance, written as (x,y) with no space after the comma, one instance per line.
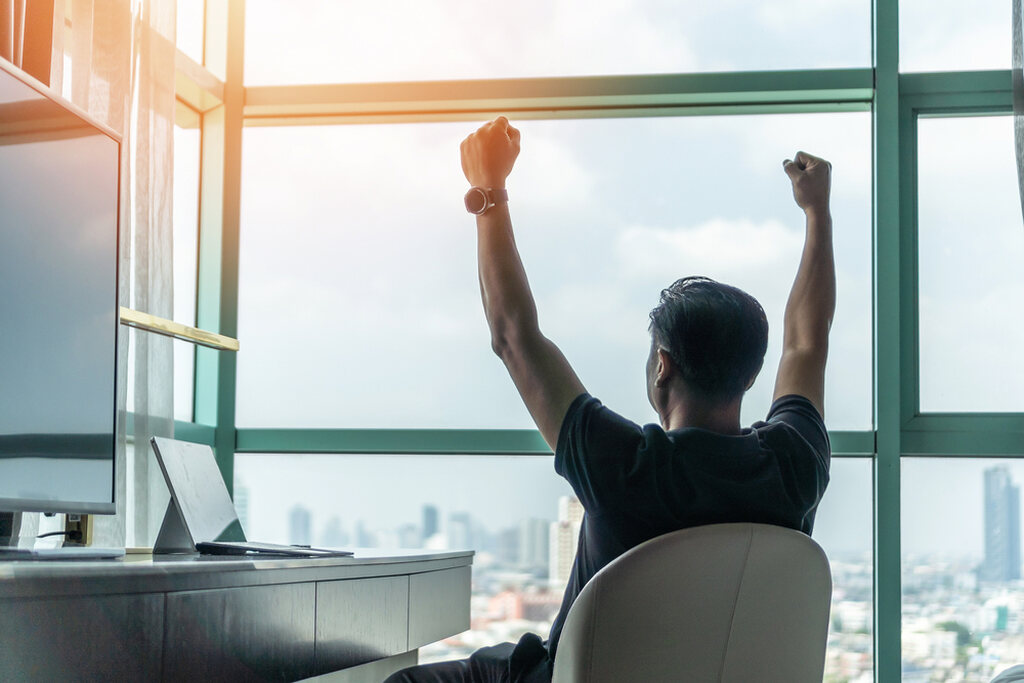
(196,484)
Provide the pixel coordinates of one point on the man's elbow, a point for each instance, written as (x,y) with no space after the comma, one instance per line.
(808,348)
(500,345)
(808,338)
(509,337)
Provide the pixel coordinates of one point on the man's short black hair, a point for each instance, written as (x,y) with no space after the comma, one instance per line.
(716,335)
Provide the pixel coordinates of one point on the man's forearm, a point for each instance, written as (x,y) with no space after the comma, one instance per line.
(508,301)
(812,302)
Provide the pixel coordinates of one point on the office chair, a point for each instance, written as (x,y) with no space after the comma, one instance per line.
(723,603)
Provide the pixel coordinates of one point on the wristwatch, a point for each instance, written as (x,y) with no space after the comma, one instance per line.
(479,199)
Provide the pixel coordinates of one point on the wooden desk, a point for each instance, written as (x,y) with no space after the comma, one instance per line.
(210,618)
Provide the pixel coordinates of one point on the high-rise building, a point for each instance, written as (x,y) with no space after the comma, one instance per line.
(534,549)
(430,526)
(409,536)
(300,526)
(564,536)
(242,504)
(507,550)
(460,531)
(334,535)
(363,537)
(1002,526)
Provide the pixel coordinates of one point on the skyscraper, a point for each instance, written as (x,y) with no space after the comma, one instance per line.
(533,552)
(507,550)
(429,521)
(565,534)
(460,531)
(1002,526)
(242,504)
(300,526)
(409,536)
(333,535)
(364,538)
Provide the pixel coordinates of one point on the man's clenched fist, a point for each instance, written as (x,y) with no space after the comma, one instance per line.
(812,179)
(489,154)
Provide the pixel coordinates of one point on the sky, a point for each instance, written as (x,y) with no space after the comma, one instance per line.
(358,280)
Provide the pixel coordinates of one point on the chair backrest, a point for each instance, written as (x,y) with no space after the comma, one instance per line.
(724,603)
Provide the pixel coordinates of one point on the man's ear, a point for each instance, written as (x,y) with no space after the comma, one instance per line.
(666,369)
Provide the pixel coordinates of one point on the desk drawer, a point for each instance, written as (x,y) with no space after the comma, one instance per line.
(360,620)
(240,634)
(107,637)
(438,605)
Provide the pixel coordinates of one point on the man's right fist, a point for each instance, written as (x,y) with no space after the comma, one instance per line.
(812,180)
(489,154)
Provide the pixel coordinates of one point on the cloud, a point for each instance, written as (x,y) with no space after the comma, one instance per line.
(752,247)
(550,168)
(971,351)
(842,138)
(936,35)
(330,42)
(762,259)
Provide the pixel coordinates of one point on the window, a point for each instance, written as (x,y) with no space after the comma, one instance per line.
(962,594)
(843,529)
(190,16)
(363,283)
(517,514)
(971,246)
(186,234)
(357,269)
(952,36)
(409,40)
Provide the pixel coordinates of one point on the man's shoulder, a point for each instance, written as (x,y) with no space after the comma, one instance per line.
(793,423)
(586,415)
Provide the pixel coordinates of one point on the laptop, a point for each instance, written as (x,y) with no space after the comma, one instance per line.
(200,516)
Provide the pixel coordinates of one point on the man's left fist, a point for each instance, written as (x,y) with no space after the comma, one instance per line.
(489,154)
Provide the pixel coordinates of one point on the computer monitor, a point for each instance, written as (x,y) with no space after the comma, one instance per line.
(59,174)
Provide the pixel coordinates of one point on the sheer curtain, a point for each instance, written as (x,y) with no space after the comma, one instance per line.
(121,55)
(1017,25)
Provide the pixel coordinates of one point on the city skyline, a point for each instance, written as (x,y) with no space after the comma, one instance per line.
(942,515)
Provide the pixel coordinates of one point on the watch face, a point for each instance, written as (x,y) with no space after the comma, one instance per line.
(476,200)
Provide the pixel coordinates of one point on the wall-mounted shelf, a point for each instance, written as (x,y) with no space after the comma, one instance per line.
(169,328)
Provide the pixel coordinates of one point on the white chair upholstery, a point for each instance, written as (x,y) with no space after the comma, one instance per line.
(724,603)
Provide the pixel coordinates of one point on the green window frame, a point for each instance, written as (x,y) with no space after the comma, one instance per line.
(896,101)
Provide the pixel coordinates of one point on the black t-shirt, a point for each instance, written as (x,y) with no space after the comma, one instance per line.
(636,483)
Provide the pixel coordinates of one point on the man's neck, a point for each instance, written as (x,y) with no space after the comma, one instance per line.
(686,411)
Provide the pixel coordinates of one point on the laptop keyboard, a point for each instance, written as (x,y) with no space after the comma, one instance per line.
(253,547)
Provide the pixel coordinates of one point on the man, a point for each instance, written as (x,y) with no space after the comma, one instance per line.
(708,342)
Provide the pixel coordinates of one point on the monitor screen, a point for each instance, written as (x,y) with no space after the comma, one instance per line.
(58,304)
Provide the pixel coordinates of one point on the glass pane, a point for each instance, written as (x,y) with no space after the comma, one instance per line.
(962,595)
(951,36)
(321,41)
(843,528)
(358,261)
(446,502)
(186,234)
(190,28)
(971,246)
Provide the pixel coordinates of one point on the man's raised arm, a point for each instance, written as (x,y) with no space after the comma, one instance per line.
(812,302)
(544,378)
